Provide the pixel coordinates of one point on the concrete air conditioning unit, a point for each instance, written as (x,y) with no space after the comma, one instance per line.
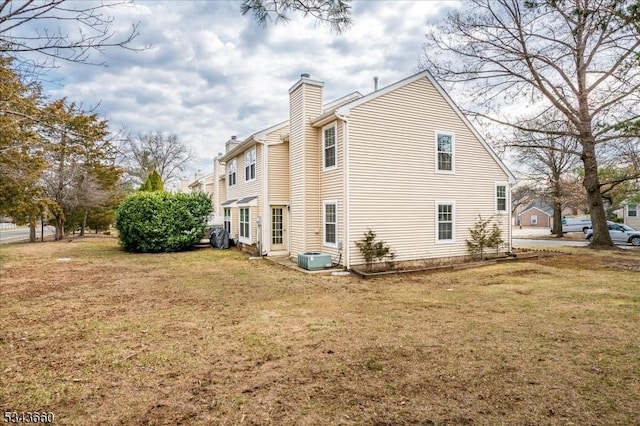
(314,260)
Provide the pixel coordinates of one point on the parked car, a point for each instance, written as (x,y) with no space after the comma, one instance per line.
(576,224)
(620,234)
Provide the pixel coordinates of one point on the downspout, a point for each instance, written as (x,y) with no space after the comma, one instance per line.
(346,244)
(266,218)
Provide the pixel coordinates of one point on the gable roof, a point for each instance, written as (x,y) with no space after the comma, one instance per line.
(345,111)
(261,136)
(539,205)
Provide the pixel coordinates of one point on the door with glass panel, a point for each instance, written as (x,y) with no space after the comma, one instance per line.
(278,228)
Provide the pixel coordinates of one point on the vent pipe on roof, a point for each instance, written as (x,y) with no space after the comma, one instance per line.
(305,75)
(375,83)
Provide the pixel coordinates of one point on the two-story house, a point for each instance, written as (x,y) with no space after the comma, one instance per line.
(402,161)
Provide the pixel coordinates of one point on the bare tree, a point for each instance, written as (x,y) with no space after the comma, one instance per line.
(336,13)
(163,152)
(575,57)
(548,159)
(36,32)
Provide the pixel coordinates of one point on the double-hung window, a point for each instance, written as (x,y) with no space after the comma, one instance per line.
(245,221)
(445,152)
(250,165)
(227,220)
(330,223)
(329,147)
(231,174)
(501,197)
(632,210)
(445,221)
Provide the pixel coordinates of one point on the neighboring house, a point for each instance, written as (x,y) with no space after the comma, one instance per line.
(630,215)
(402,161)
(202,183)
(536,214)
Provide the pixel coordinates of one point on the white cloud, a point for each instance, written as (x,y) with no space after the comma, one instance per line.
(212,72)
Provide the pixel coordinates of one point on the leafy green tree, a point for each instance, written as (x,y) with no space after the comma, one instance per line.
(21,160)
(153,183)
(75,144)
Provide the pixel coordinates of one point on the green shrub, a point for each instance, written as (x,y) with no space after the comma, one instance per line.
(153,222)
(373,250)
(484,234)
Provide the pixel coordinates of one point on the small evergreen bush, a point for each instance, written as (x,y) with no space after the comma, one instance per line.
(373,250)
(484,234)
(153,222)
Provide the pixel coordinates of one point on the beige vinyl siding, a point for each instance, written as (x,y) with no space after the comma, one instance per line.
(243,189)
(632,221)
(278,171)
(392,178)
(305,102)
(332,187)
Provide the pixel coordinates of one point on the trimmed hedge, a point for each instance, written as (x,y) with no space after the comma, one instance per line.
(154,222)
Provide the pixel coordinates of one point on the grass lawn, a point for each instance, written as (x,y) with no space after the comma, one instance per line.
(210,337)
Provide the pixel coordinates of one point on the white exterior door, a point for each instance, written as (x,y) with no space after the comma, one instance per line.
(279,228)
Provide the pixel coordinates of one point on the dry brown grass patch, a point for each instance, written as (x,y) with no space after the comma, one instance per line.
(210,337)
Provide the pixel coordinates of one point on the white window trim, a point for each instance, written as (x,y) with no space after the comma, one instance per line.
(245,240)
(324,223)
(335,147)
(534,219)
(453,152)
(233,169)
(255,165)
(453,220)
(506,194)
(629,209)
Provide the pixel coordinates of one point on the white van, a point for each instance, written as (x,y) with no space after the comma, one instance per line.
(576,224)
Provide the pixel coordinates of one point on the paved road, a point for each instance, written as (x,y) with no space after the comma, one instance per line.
(517,242)
(21,234)
(548,243)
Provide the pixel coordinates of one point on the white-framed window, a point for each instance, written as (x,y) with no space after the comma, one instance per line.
(231,173)
(250,164)
(501,197)
(445,221)
(245,225)
(329,150)
(227,219)
(330,223)
(534,219)
(632,210)
(445,152)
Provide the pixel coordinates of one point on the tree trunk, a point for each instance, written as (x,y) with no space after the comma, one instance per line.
(59,229)
(84,222)
(591,183)
(557,219)
(557,206)
(32,231)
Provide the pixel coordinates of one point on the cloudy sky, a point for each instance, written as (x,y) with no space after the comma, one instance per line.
(211,73)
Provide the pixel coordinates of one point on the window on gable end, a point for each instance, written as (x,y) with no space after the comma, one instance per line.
(445,149)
